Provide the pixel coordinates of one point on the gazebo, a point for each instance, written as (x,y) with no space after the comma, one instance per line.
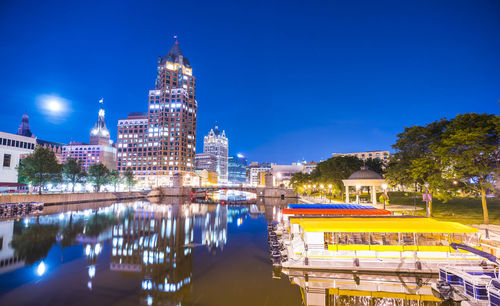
(364,178)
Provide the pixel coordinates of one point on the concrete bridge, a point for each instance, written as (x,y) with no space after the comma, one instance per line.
(261,192)
(217,188)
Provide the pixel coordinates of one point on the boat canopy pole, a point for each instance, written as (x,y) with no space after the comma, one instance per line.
(467,248)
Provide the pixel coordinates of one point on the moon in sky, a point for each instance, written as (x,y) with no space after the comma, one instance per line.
(54,106)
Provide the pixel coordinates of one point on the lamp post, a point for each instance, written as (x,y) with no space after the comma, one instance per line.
(427,199)
(384,186)
(322,189)
(330,192)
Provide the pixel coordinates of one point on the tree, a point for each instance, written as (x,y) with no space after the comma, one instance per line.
(34,242)
(129,178)
(98,175)
(298,180)
(40,168)
(375,164)
(335,169)
(469,149)
(415,162)
(115,178)
(73,172)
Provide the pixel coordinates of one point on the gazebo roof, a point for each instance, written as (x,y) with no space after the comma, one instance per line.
(365,174)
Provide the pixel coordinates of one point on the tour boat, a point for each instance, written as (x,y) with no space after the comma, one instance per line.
(372,243)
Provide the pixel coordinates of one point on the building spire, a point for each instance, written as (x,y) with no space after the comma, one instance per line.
(100,134)
(24,128)
(175,37)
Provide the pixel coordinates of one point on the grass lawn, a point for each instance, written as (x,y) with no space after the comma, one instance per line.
(463,210)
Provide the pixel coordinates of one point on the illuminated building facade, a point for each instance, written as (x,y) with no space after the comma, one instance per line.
(216,143)
(254,171)
(99,150)
(237,169)
(171,134)
(162,141)
(12,149)
(382,155)
(90,154)
(206,161)
(132,144)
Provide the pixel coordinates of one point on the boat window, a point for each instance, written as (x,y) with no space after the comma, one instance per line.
(359,238)
(384,239)
(330,238)
(342,238)
(407,239)
(432,239)
(464,239)
(351,239)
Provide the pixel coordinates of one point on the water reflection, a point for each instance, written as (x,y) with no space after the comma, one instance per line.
(150,242)
(156,243)
(173,252)
(328,288)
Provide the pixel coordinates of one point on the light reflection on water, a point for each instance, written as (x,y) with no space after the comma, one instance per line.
(175,252)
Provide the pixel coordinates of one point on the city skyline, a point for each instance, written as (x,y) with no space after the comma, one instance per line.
(367,79)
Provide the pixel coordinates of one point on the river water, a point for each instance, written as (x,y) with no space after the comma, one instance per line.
(175,252)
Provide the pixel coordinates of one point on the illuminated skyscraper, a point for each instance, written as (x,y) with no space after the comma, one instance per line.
(171,136)
(237,169)
(99,150)
(216,143)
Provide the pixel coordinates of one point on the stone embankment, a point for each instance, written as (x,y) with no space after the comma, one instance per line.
(69,198)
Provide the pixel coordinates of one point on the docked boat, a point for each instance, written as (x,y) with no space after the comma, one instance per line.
(21,209)
(368,243)
(474,285)
(332,210)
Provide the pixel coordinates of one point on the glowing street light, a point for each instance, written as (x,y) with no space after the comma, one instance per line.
(358,191)
(40,270)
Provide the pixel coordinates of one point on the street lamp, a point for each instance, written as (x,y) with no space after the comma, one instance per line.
(427,200)
(384,186)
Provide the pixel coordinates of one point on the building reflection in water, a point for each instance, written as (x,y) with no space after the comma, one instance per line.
(156,242)
(152,242)
(214,229)
(9,261)
(328,288)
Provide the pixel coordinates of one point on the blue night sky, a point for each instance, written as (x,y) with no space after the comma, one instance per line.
(286,79)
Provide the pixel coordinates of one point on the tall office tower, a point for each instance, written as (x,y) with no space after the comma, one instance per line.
(237,169)
(171,135)
(100,134)
(216,143)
